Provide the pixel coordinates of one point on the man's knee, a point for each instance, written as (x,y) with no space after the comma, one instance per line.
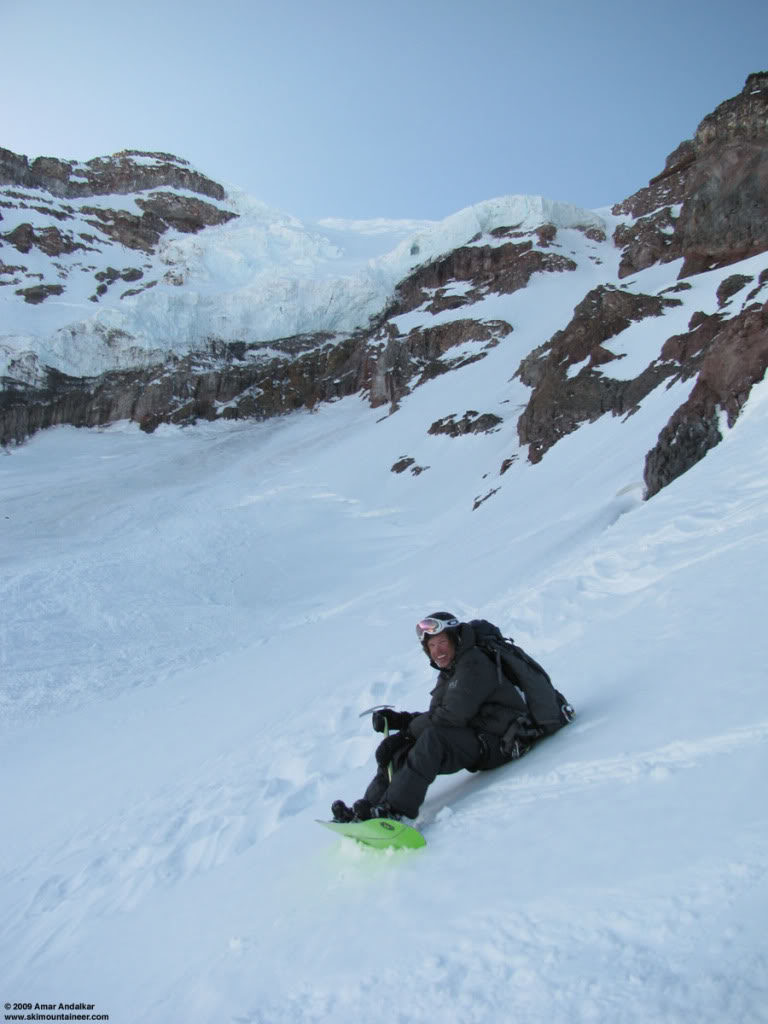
(446,734)
(453,746)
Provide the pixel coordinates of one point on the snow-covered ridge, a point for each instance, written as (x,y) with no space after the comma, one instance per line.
(262,276)
(525,213)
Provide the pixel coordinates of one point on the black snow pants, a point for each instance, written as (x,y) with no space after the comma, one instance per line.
(439,750)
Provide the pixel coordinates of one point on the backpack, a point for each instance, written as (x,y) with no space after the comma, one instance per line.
(547,707)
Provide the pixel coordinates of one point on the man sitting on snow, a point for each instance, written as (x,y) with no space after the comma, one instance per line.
(477,720)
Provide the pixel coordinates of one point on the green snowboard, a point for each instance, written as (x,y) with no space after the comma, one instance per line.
(378,832)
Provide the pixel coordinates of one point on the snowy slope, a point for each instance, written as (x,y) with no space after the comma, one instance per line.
(193,620)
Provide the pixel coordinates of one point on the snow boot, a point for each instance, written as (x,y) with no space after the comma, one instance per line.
(364,810)
(361,809)
(385,810)
(341,812)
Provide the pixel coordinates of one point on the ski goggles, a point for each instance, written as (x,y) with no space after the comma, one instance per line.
(431,627)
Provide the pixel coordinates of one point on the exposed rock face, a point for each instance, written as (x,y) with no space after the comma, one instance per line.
(649,240)
(666,189)
(240,381)
(560,402)
(406,462)
(725,218)
(39,292)
(729,358)
(51,241)
(121,174)
(161,211)
(185,213)
(395,363)
(720,181)
(502,269)
(731,286)
(41,188)
(726,355)
(472,422)
(230,382)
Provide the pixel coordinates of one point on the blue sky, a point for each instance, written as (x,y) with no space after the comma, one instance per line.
(362,109)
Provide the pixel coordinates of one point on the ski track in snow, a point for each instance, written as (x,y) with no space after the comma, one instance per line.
(521,786)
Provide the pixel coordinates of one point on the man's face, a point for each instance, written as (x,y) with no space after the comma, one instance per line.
(441,649)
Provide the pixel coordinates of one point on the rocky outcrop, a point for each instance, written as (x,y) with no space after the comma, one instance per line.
(407,462)
(184,213)
(729,357)
(562,400)
(240,381)
(668,188)
(472,422)
(725,217)
(732,286)
(38,293)
(396,363)
(651,239)
(726,352)
(52,241)
(230,382)
(41,188)
(501,269)
(108,277)
(161,211)
(121,174)
(719,181)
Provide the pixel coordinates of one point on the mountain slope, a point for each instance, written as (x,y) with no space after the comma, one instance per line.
(161,857)
(247,313)
(193,619)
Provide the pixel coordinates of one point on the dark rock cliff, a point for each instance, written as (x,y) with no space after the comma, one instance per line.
(42,186)
(124,173)
(728,358)
(560,402)
(719,179)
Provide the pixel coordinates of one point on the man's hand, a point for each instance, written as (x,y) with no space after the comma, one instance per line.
(524,729)
(387,749)
(387,718)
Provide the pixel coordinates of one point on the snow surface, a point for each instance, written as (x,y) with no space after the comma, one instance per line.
(193,620)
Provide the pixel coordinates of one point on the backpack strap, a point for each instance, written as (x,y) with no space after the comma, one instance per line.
(501,678)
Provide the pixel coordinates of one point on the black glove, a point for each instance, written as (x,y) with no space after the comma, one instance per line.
(519,737)
(522,730)
(386,717)
(526,730)
(387,749)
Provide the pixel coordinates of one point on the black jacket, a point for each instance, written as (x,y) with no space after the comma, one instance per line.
(468,693)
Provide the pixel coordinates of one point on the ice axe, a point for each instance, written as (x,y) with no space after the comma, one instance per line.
(369,711)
